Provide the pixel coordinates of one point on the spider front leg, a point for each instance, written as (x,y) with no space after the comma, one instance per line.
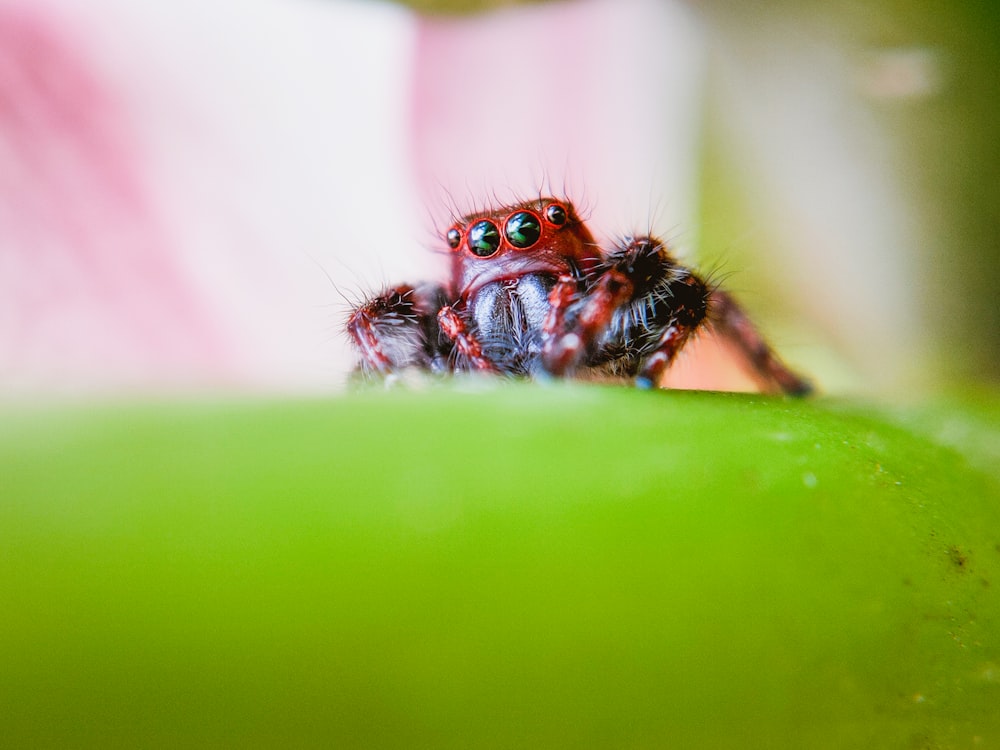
(636,310)
(573,322)
(399,329)
(466,344)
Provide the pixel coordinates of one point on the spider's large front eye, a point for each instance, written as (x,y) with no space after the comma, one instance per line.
(556,214)
(454,238)
(523,229)
(484,238)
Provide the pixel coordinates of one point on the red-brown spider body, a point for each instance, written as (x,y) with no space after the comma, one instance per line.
(557,250)
(532,294)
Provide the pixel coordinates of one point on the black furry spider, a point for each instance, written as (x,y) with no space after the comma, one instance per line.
(532,294)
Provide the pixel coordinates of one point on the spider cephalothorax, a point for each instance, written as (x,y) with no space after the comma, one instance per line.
(531,293)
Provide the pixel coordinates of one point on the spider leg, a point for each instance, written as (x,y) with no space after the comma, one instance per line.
(465,342)
(559,351)
(567,340)
(730,321)
(639,309)
(397,329)
(655,363)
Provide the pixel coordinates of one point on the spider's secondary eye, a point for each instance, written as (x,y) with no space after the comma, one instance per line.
(454,238)
(556,214)
(523,229)
(484,238)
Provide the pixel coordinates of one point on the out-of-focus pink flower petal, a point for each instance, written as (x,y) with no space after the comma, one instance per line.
(89,283)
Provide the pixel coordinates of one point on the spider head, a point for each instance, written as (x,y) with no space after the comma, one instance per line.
(540,236)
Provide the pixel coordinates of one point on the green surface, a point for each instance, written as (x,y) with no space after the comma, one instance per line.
(473,566)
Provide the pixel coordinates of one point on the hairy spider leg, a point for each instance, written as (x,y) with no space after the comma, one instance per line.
(731,322)
(565,345)
(467,345)
(654,364)
(565,291)
(398,328)
(365,320)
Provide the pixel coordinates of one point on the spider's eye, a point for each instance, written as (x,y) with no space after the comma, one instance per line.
(454,238)
(523,229)
(556,214)
(484,238)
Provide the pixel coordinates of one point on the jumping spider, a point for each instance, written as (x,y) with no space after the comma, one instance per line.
(532,294)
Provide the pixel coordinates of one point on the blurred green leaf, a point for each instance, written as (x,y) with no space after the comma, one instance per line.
(477,565)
